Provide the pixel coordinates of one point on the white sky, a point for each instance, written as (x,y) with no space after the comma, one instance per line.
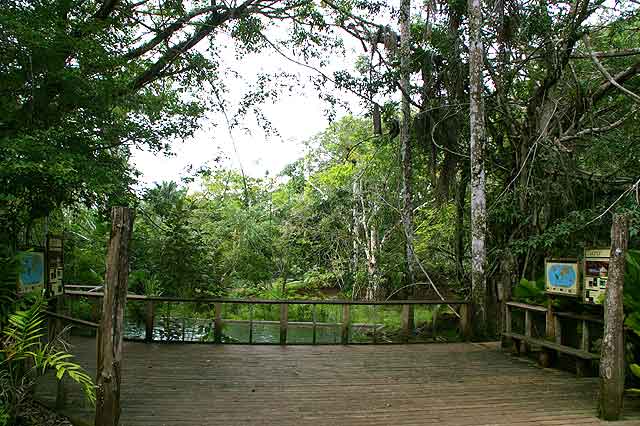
(297,117)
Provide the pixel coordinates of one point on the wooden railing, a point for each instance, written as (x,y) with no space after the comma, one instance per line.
(346,326)
(551,341)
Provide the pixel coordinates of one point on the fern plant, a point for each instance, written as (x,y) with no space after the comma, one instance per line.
(24,357)
(632,310)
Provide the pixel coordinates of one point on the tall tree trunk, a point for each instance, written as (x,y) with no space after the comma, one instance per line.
(478,196)
(612,357)
(405,136)
(461,192)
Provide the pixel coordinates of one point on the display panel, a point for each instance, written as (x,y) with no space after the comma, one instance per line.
(31,276)
(596,274)
(562,277)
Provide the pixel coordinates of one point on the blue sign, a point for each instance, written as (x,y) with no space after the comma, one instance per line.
(559,275)
(31,269)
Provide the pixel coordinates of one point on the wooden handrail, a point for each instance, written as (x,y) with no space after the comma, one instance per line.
(527,306)
(579,317)
(72,320)
(276,301)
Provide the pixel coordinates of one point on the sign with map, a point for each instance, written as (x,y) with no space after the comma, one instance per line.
(31,276)
(562,277)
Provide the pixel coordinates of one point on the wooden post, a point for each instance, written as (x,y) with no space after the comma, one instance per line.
(345,325)
(550,325)
(284,321)
(434,321)
(612,357)
(112,322)
(148,321)
(217,328)
(557,327)
(315,319)
(405,323)
(585,346)
(524,347)
(465,323)
(250,324)
(375,323)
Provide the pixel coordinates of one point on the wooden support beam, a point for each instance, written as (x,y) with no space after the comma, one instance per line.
(375,323)
(524,347)
(284,322)
(465,322)
(315,319)
(217,327)
(557,327)
(550,324)
(148,321)
(345,325)
(434,321)
(586,338)
(250,324)
(507,315)
(112,322)
(612,357)
(405,323)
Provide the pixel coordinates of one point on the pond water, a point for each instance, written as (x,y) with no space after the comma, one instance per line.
(191,330)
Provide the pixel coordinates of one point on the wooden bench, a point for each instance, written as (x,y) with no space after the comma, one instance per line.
(550,349)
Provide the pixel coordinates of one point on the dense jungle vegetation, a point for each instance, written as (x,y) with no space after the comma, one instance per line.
(379,205)
(496,134)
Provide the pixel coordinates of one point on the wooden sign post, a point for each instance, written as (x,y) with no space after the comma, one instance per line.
(612,357)
(112,323)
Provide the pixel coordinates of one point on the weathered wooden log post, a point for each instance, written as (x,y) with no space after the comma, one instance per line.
(612,357)
(112,322)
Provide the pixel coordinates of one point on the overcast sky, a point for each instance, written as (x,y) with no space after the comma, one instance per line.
(297,117)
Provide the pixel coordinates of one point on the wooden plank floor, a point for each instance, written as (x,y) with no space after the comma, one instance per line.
(439,384)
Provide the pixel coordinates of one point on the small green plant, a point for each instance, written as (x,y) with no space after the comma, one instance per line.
(635,370)
(530,292)
(24,357)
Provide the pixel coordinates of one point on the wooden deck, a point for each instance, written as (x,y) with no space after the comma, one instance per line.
(439,384)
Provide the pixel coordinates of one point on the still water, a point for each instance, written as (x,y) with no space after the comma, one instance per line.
(190,330)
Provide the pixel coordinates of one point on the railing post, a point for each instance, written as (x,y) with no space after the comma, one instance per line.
(434,320)
(549,319)
(345,325)
(585,336)
(524,346)
(405,323)
(148,325)
(217,324)
(557,327)
(507,316)
(250,324)
(465,324)
(314,324)
(284,320)
(375,323)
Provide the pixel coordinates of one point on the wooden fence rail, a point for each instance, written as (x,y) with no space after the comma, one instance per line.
(551,342)
(345,324)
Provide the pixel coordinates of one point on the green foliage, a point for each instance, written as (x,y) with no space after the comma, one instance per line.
(530,292)
(632,291)
(24,357)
